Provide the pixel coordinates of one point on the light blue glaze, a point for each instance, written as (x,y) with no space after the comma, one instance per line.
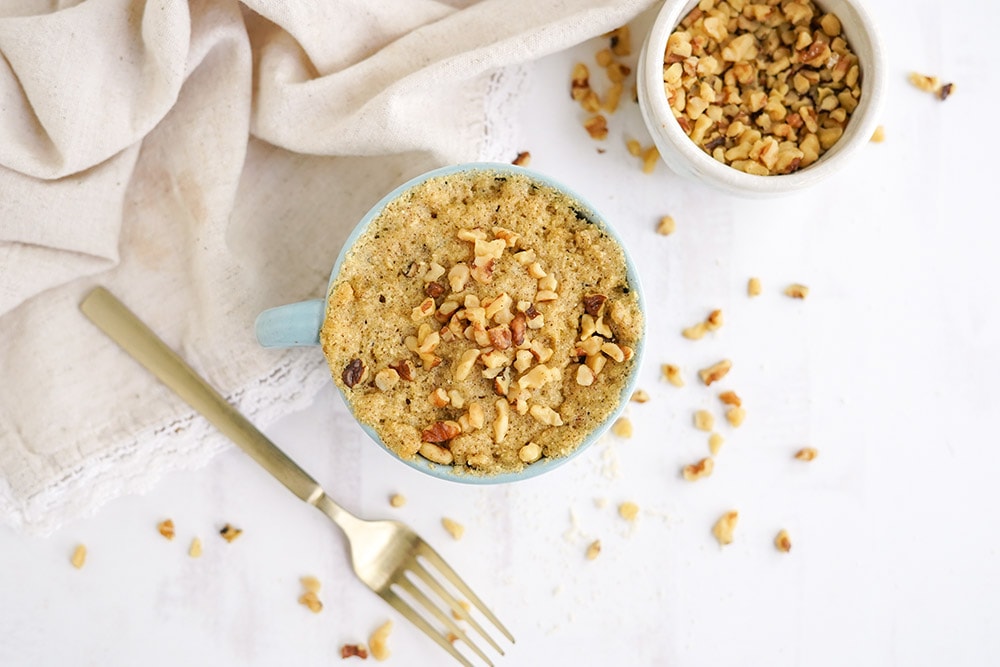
(298,324)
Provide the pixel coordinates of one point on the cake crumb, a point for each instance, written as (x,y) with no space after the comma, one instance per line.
(397,500)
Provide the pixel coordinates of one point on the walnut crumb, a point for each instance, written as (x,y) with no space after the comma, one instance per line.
(79,556)
(806,454)
(379,641)
(696,471)
(730,398)
(753,287)
(650,157)
(454,528)
(310,584)
(594,550)
(166,528)
(628,511)
(230,533)
(353,650)
(310,600)
(622,427)
(797,291)
(523,159)
(640,396)
(597,127)
(703,420)
(466,607)
(782,542)
(715,443)
(715,372)
(724,527)
(194,551)
(666,226)
(673,374)
(735,416)
(878,136)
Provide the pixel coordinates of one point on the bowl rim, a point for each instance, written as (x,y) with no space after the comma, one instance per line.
(681,154)
(632,274)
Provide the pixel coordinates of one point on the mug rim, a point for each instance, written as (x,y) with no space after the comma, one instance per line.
(631,271)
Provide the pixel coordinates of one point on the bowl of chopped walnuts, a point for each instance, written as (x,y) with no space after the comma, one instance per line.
(483,324)
(759,99)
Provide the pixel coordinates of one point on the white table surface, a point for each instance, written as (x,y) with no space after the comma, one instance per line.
(889,369)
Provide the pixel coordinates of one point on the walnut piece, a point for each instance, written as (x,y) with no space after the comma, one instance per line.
(806,454)
(379,641)
(782,542)
(166,528)
(666,226)
(79,556)
(622,427)
(353,373)
(703,420)
(230,532)
(673,374)
(440,431)
(454,528)
(194,551)
(797,291)
(593,550)
(628,511)
(523,159)
(715,443)
(397,500)
(724,527)
(640,396)
(715,372)
(696,471)
(878,136)
(753,287)
(353,650)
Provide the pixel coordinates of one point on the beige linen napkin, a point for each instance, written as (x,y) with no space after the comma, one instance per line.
(205,160)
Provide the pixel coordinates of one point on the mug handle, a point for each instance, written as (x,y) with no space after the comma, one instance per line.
(291,325)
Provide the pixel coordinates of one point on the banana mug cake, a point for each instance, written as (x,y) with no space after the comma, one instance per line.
(482,321)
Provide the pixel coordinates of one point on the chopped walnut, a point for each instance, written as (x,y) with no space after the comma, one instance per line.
(397,500)
(640,396)
(634,147)
(696,471)
(797,291)
(695,332)
(714,320)
(166,528)
(353,650)
(378,642)
(530,453)
(928,84)
(763,88)
(593,550)
(523,159)
(622,427)
(666,226)
(878,136)
(715,443)
(194,551)
(628,511)
(945,91)
(79,556)
(230,533)
(353,373)
(730,398)
(806,454)
(673,375)
(715,372)
(454,528)
(440,431)
(735,416)
(597,127)
(386,379)
(650,157)
(753,287)
(724,527)
(310,598)
(703,420)
(436,453)
(782,542)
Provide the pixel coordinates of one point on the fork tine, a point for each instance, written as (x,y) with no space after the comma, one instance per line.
(406,610)
(432,556)
(420,597)
(436,586)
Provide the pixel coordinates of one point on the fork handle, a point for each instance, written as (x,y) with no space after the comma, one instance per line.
(139,341)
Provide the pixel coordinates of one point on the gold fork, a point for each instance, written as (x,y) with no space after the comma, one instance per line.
(387,555)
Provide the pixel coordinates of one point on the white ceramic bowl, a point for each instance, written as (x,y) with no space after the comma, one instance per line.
(685,158)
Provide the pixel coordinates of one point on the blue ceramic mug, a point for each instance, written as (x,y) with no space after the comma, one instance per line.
(299,324)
